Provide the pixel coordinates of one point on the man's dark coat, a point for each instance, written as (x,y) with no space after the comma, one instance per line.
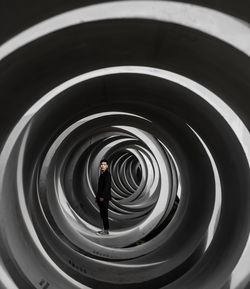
(104,186)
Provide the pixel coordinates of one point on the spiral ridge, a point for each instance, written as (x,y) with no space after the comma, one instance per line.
(175,134)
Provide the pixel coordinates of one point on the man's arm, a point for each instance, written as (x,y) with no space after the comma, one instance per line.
(106,186)
(98,194)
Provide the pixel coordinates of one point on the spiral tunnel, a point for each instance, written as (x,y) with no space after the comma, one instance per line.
(161,90)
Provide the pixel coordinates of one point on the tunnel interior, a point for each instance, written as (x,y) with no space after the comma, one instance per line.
(167,103)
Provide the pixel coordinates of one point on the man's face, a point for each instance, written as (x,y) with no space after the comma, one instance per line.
(103,166)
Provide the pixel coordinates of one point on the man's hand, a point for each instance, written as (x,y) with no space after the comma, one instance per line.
(101,199)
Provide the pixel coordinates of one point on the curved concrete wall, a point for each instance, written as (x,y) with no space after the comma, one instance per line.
(161,89)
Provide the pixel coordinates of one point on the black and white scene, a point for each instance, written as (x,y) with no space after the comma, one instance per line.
(125,144)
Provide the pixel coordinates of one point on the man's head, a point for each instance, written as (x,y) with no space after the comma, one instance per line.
(104,165)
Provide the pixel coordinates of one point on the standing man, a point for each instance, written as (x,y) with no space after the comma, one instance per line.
(103,195)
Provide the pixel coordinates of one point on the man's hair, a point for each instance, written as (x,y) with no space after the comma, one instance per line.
(104,161)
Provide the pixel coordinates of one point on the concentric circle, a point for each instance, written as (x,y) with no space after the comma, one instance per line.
(177,143)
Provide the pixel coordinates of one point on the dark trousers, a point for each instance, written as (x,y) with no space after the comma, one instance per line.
(104,213)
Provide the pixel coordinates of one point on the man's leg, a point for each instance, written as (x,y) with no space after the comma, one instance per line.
(104,215)
(101,215)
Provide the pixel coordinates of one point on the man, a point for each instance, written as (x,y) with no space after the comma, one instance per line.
(103,195)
